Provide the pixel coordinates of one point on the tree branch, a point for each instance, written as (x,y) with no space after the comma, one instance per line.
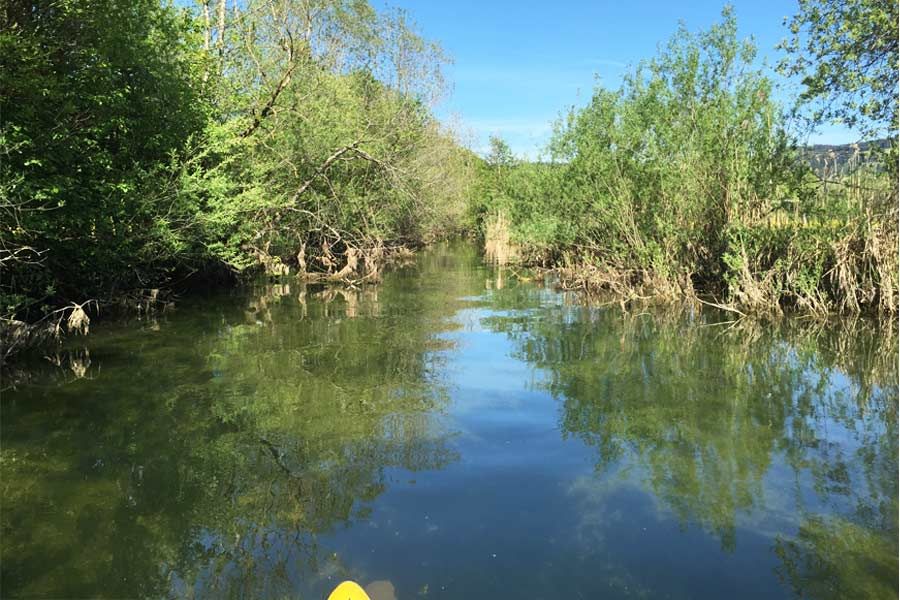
(270,105)
(324,167)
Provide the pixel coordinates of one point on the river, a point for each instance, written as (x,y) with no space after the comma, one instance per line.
(453,432)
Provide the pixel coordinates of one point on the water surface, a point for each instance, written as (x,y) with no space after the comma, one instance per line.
(459,434)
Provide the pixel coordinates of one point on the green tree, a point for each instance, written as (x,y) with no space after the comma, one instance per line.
(657,171)
(846,53)
(687,179)
(500,155)
(143,141)
(98,98)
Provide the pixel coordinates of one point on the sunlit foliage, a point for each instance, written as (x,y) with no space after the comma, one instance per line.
(144,142)
(685,180)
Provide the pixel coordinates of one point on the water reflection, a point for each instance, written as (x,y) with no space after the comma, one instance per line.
(787,430)
(207,460)
(454,432)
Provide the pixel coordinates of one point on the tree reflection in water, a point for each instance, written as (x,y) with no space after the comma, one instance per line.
(229,448)
(707,415)
(206,463)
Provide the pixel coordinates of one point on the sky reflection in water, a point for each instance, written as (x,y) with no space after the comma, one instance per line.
(458,434)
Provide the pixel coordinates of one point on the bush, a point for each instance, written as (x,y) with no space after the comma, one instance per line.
(685,179)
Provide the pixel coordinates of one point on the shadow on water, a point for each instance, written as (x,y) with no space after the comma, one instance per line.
(452,432)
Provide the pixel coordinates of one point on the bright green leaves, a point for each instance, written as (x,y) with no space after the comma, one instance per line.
(685,177)
(159,156)
(846,54)
(649,174)
(98,97)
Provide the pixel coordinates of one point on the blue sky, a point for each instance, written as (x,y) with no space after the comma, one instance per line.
(518,63)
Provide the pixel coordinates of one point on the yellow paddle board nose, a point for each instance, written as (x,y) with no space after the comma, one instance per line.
(348,590)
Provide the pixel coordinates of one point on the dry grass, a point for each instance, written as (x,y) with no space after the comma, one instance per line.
(498,245)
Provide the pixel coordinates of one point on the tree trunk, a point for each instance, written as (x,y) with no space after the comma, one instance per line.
(207,34)
(220,40)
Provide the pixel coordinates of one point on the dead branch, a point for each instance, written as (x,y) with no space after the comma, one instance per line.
(270,104)
(722,306)
(337,154)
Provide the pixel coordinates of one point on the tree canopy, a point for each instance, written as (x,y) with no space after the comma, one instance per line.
(846,53)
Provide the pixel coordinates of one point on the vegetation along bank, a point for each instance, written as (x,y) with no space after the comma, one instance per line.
(146,144)
(689,179)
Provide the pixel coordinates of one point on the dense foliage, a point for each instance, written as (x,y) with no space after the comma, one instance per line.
(143,142)
(92,116)
(685,180)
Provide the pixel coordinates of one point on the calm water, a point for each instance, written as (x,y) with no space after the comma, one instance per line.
(458,434)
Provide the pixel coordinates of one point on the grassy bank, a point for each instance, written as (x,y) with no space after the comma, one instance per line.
(685,181)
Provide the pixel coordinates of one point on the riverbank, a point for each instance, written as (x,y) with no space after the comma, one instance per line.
(144,142)
(688,181)
(339,266)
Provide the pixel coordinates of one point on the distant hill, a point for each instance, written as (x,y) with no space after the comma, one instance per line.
(836,160)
